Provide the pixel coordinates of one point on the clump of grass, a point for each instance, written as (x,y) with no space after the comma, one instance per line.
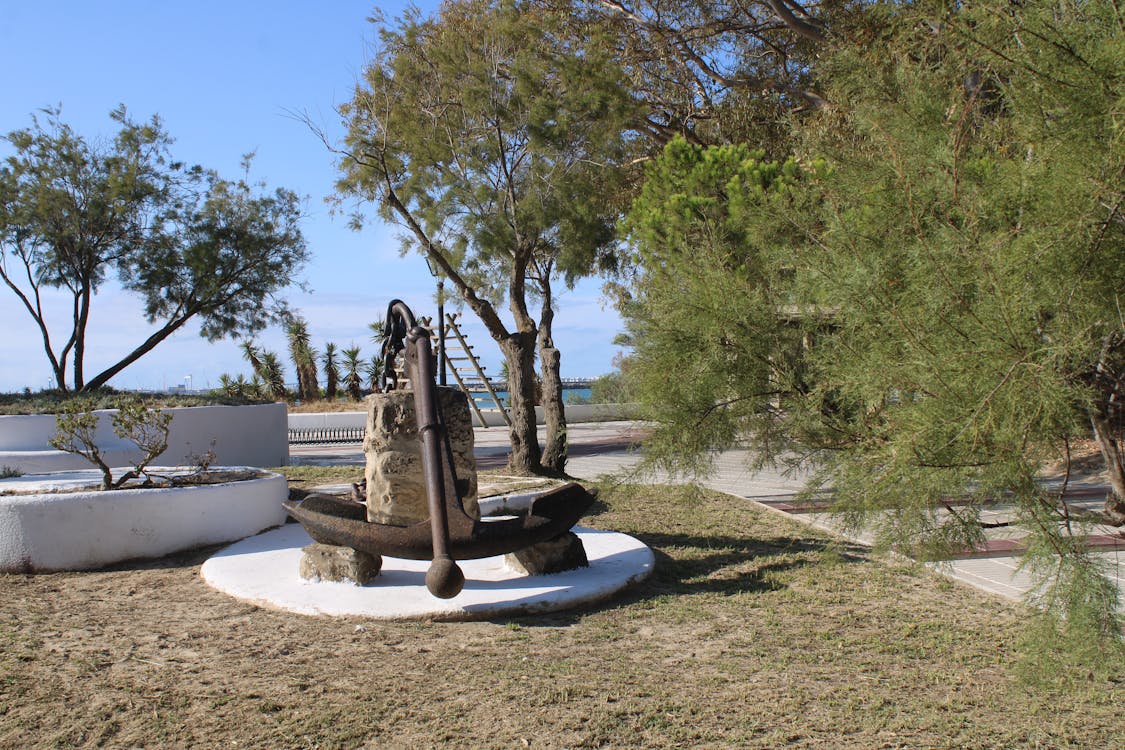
(7,472)
(320,474)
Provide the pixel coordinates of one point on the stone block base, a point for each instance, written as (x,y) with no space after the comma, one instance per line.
(396,490)
(327,562)
(564,552)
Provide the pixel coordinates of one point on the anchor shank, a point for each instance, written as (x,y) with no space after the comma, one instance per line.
(444,578)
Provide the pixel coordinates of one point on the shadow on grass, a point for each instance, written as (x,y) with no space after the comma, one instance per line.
(690,565)
(184,559)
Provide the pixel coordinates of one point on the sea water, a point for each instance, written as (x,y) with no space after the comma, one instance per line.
(484,400)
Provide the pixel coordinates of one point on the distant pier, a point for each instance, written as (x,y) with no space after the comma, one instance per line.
(502,385)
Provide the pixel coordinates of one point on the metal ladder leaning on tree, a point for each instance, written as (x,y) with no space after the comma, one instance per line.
(465,366)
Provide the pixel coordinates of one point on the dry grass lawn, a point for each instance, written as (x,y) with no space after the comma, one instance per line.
(755,632)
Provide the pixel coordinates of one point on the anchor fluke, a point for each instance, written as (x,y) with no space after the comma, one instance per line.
(444,579)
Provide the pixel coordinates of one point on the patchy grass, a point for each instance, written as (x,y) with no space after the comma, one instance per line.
(491,481)
(51,401)
(754,632)
(310,476)
(317,407)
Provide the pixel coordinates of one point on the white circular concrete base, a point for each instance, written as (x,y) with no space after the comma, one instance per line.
(263,570)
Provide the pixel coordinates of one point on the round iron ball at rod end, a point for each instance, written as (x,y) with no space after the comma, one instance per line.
(444,579)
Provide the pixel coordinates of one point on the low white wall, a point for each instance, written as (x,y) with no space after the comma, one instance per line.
(253,435)
(358,419)
(89,529)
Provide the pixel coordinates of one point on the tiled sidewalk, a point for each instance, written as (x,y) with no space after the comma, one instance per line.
(605,449)
(994,568)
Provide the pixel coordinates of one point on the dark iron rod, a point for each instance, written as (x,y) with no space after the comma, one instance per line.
(444,578)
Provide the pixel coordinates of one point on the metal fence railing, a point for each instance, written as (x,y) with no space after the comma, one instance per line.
(320,435)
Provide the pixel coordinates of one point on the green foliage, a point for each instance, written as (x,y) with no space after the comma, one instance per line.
(718,72)
(74,214)
(933,317)
(974,253)
(76,432)
(7,472)
(611,388)
(240,388)
(373,370)
(497,141)
(712,235)
(495,136)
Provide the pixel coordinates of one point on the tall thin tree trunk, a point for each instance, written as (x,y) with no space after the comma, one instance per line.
(518,347)
(518,350)
(554,410)
(81,317)
(1115,467)
(1109,381)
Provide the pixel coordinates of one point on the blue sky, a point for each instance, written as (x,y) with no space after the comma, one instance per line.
(225,77)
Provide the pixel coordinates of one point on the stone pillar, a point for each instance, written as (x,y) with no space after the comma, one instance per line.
(396,490)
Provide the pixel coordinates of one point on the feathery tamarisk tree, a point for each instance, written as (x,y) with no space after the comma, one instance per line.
(495,145)
(76,213)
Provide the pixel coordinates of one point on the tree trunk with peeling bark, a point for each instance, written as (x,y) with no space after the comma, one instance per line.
(554,410)
(518,351)
(1110,447)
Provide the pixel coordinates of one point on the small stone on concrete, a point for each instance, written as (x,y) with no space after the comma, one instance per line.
(327,562)
(564,552)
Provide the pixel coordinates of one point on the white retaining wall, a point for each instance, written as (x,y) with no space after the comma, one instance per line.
(254,435)
(91,528)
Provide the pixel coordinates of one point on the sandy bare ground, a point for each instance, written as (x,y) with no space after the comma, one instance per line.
(755,632)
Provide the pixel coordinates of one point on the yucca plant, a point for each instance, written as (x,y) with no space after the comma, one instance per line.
(331,371)
(304,358)
(268,372)
(353,380)
(373,369)
(273,376)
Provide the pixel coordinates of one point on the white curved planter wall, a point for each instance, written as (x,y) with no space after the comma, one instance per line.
(89,529)
(255,435)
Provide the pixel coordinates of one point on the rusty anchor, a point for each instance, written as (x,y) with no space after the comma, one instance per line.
(450,533)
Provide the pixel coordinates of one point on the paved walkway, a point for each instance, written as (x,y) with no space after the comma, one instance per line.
(608,449)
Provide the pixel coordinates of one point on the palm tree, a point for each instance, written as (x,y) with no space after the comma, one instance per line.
(353,381)
(304,358)
(331,371)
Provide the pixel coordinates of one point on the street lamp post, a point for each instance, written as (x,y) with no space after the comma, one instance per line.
(435,271)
